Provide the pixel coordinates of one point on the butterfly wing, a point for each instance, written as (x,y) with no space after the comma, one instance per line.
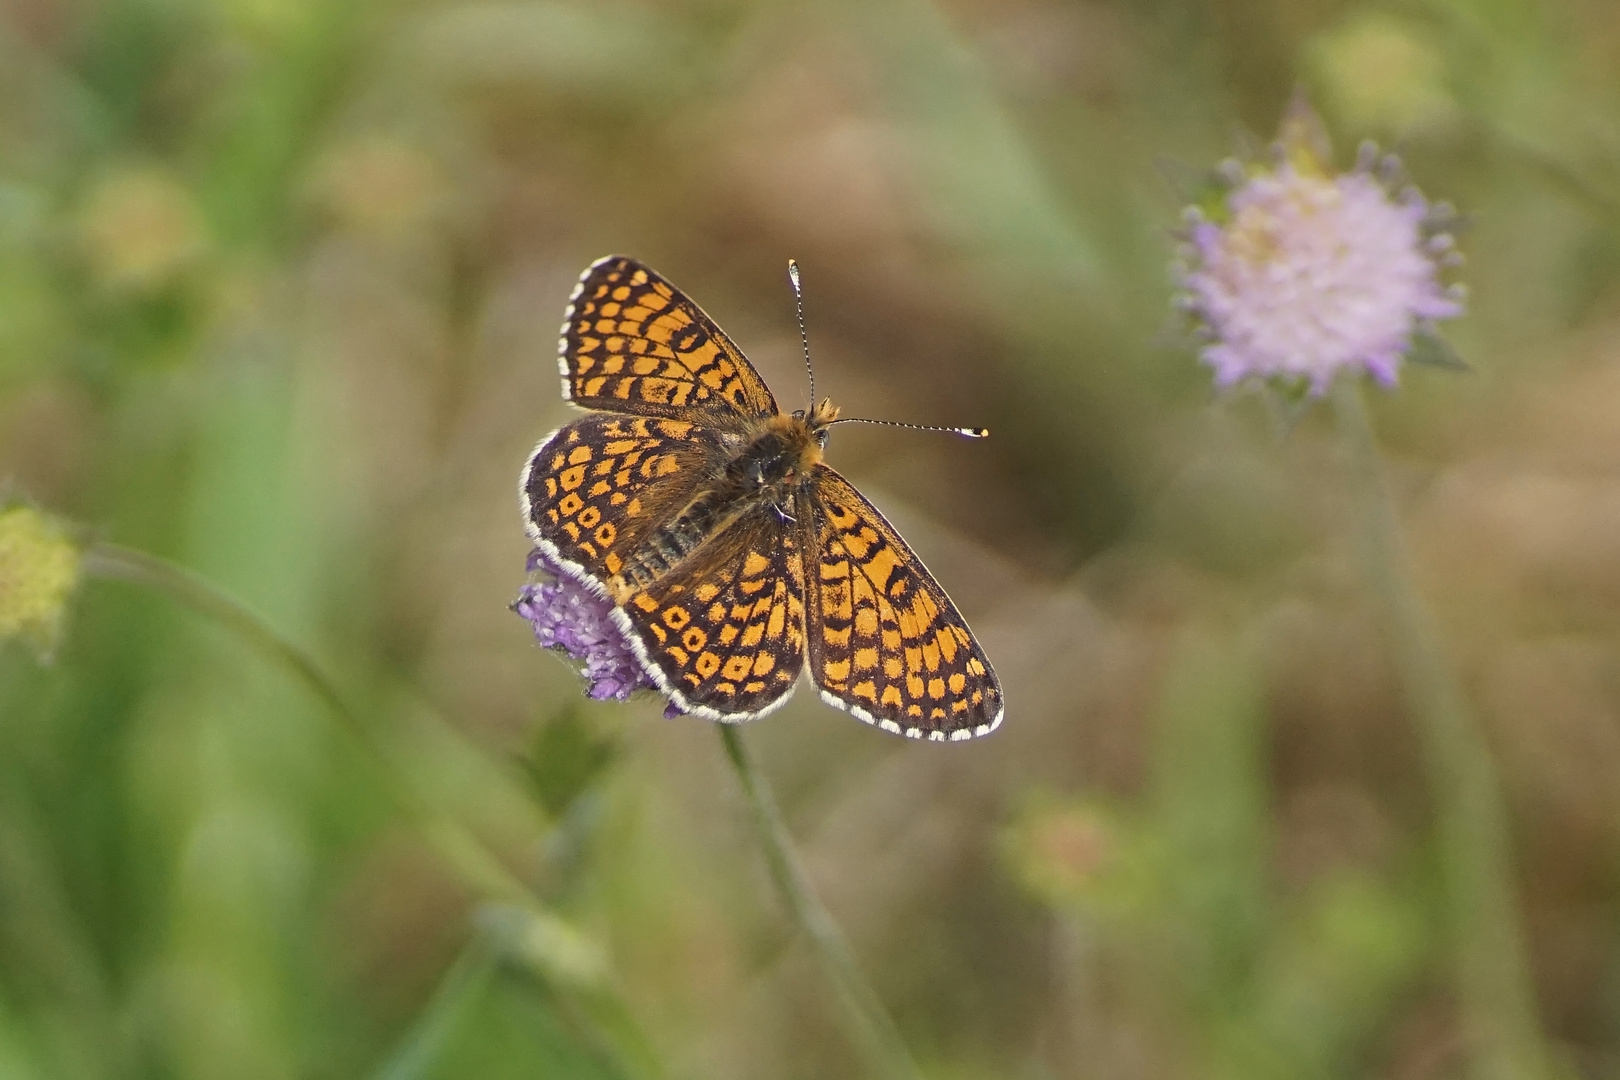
(723,632)
(884,640)
(633,343)
(595,489)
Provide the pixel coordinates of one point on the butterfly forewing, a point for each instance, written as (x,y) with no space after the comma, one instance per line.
(885,642)
(633,343)
(595,489)
(723,633)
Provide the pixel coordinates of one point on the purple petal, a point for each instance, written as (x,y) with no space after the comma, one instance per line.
(1304,275)
(568,617)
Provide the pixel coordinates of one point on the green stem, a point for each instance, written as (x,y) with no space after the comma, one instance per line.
(870,1026)
(1493,985)
(127,564)
(459,992)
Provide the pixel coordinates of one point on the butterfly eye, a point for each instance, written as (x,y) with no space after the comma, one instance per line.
(821,438)
(798,414)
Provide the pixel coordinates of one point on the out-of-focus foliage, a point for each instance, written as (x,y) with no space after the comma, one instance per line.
(279,288)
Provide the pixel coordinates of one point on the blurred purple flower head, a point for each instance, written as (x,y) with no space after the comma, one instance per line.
(569,617)
(1296,273)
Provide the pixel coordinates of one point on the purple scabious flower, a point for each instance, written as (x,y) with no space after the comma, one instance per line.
(569,617)
(1295,273)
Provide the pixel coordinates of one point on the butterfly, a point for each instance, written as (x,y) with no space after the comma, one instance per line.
(733,556)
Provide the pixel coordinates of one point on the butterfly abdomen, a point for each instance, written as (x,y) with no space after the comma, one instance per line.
(667,547)
(762,472)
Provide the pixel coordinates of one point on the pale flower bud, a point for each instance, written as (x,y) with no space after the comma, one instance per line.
(39,569)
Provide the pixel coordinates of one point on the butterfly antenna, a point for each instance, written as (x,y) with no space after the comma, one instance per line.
(804,339)
(969,432)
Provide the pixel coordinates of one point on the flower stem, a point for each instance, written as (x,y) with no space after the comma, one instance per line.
(869,1024)
(161,576)
(1494,991)
(460,989)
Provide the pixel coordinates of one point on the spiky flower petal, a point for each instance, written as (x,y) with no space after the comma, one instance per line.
(570,618)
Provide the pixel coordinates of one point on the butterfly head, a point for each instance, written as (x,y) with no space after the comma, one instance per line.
(821,417)
(790,446)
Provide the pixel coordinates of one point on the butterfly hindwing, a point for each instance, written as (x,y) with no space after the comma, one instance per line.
(595,489)
(885,642)
(723,632)
(633,343)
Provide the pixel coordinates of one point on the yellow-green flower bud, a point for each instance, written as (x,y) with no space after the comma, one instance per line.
(39,567)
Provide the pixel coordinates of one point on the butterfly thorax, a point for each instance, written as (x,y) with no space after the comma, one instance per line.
(770,459)
(782,449)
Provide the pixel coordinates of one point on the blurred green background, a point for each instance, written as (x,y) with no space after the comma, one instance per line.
(279,289)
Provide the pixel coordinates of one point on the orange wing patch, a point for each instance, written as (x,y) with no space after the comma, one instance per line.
(723,634)
(596,487)
(633,343)
(889,645)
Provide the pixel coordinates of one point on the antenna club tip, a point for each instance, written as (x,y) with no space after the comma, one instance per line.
(973,432)
(793,270)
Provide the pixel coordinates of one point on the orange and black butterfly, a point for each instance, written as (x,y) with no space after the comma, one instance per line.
(732,554)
